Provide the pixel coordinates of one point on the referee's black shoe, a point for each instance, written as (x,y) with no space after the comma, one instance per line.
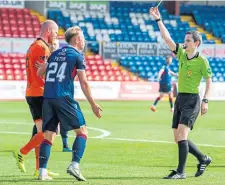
(175,175)
(202,166)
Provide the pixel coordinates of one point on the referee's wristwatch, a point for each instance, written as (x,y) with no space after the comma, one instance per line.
(205,100)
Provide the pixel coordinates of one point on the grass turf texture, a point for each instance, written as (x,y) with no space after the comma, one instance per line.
(118,162)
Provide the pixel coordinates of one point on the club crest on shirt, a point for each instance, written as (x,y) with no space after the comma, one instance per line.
(189,73)
(209,71)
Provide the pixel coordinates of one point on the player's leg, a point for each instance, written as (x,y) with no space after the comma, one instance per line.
(79,146)
(35,105)
(64,136)
(35,141)
(50,125)
(153,108)
(37,151)
(71,118)
(171,100)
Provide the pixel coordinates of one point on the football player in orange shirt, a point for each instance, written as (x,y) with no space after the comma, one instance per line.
(38,52)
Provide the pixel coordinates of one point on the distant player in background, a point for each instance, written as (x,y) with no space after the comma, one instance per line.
(38,51)
(64,134)
(165,83)
(59,104)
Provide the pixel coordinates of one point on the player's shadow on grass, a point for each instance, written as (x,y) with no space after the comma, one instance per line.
(123,178)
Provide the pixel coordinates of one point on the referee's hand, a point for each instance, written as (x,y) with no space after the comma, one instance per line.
(204,108)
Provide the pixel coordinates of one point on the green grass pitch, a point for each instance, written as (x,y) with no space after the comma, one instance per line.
(138,151)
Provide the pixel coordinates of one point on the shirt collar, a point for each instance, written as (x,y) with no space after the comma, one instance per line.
(196,56)
(43,41)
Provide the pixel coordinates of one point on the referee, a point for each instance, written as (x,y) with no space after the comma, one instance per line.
(192,67)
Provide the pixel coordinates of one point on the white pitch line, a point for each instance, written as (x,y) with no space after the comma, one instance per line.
(104,134)
(122,139)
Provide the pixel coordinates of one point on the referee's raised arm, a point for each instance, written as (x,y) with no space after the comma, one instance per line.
(164,32)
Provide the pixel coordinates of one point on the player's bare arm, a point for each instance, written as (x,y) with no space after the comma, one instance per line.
(164,32)
(173,74)
(87,92)
(160,74)
(204,106)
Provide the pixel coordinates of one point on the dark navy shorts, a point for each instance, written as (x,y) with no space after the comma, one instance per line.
(165,88)
(64,110)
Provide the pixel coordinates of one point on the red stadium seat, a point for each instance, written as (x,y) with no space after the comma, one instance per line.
(103,73)
(3,77)
(6,27)
(8,34)
(117,73)
(90,57)
(23,35)
(105,78)
(8,66)
(101,67)
(15,35)
(88,72)
(108,67)
(23,60)
(91,62)
(90,78)
(112,78)
(18,72)
(98,57)
(7,60)
(95,73)
(23,66)
(16,66)
(127,78)
(119,78)
(2,71)
(97,78)
(2,66)
(110,73)
(99,62)
(18,77)
(10,77)
(9,71)
(94,67)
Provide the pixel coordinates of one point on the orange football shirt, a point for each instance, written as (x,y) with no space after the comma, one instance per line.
(37,52)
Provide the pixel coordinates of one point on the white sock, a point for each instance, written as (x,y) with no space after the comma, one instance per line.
(42,171)
(75,165)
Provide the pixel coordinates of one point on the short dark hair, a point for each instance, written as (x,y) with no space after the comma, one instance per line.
(196,35)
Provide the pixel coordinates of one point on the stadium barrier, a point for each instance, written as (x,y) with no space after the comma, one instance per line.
(113,50)
(15,90)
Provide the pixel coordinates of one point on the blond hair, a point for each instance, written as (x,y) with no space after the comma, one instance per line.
(71,32)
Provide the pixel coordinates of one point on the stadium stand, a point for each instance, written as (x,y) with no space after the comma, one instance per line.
(123,23)
(211,18)
(147,67)
(13,67)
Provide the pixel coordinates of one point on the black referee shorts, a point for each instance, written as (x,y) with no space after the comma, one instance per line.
(186,110)
(35,105)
